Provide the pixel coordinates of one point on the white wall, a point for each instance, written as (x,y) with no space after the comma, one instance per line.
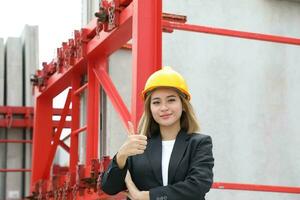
(245,92)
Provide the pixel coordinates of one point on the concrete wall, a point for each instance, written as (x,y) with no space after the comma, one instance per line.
(89,7)
(14,88)
(21,60)
(30,45)
(120,72)
(2,131)
(1,71)
(245,92)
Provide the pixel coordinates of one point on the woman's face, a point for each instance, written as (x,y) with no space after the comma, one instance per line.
(166,107)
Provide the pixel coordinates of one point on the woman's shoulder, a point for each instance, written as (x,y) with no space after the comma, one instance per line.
(199,137)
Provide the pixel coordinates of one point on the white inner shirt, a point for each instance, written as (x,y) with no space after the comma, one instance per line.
(167,147)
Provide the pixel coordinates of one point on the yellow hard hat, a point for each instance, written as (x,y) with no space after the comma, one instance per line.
(166,77)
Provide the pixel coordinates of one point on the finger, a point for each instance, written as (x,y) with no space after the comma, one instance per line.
(126,193)
(139,137)
(130,196)
(142,142)
(142,147)
(130,128)
(138,151)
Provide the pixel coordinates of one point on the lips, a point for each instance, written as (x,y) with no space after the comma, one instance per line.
(165,116)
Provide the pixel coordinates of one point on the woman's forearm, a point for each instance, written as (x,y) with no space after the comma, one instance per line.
(145,195)
(121,160)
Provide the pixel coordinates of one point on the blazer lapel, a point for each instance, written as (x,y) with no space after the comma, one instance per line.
(177,153)
(154,151)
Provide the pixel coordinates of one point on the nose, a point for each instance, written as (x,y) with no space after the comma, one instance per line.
(164,107)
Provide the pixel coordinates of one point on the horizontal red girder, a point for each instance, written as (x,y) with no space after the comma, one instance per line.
(125,2)
(25,123)
(231,33)
(254,187)
(25,109)
(109,42)
(15,141)
(15,170)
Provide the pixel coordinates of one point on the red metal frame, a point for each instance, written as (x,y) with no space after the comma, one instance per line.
(254,187)
(8,119)
(89,51)
(228,32)
(87,54)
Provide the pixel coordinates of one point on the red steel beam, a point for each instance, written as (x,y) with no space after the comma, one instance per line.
(57,134)
(108,42)
(15,141)
(92,115)
(253,187)
(42,136)
(75,124)
(24,123)
(146,49)
(64,146)
(80,90)
(25,110)
(77,131)
(125,2)
(113,95)
(231,33)
(15,170)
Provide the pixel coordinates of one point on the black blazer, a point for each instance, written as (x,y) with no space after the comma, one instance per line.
(190,173)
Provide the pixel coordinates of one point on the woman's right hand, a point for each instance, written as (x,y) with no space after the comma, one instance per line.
(135,144)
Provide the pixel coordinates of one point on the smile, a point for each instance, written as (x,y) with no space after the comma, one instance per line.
(165,116)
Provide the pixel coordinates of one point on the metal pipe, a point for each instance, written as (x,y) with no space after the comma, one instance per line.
(253,187)
(15,170)
(79,130)
(80,90)
(15,141)
(231,33)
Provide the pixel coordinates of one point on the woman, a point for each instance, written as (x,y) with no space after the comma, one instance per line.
(167,159)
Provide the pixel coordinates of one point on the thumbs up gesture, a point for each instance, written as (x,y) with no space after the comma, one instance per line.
(134,145)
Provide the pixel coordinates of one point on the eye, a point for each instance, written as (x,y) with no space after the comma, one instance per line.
(155,102)
(171,100)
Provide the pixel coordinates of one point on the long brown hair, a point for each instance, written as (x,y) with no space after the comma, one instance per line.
(188,121)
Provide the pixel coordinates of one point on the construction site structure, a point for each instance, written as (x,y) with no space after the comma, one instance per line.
(243,107)
(18,59)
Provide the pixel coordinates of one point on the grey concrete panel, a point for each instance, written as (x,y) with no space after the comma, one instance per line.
(14,72)
(1,71)
(89,7)
(245,92)
(30,42)
(2,130)
(14,83)
(120,69)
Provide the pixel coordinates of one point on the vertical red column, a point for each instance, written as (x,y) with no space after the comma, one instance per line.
(101,62)
(41,137)
(146,48)
(75,125)
(92,115)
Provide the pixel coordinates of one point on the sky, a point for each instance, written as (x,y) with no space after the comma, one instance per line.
(56,19)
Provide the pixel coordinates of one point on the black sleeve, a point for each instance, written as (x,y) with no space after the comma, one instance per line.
(198,180)
(113,179)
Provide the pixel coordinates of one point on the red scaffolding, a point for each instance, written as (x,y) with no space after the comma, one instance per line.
(87,53)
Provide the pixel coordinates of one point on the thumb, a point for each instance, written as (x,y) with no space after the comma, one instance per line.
(130,128)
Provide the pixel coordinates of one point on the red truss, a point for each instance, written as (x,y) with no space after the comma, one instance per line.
(87,53)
